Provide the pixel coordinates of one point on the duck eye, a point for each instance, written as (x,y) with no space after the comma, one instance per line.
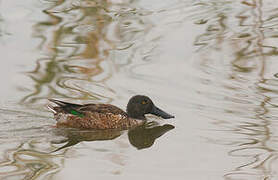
(144,102)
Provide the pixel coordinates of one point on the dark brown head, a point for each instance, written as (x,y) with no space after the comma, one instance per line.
(140,105)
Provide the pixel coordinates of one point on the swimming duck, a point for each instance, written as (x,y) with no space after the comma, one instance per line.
(105,116)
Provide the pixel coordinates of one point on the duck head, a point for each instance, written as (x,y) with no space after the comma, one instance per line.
(140,105)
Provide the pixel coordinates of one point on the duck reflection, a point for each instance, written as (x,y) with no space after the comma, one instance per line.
(144,136)
(140,137)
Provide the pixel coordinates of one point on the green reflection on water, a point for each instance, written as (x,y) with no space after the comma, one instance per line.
(29,163)
(74,44)
(248,30)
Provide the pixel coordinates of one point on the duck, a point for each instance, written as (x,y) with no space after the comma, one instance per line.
(105,116)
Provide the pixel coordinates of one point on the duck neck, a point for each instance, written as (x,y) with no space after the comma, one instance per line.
(135,115)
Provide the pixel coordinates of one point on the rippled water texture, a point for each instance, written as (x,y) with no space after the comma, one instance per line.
(211,63)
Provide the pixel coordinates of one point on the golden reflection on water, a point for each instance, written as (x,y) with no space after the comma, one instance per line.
(74,45)
(248,35)
(23,162)
(77,39)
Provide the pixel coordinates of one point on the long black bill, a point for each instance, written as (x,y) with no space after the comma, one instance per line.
(158,112)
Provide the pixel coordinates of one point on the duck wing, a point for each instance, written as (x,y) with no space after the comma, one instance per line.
(102,109)
(80,110)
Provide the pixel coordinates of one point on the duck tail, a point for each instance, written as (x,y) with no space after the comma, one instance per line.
(51,108)
(56,106)
(57,102)
(63,104)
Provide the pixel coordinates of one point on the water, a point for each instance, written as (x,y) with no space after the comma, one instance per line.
(210,63)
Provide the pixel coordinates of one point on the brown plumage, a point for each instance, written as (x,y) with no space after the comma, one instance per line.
(104,116)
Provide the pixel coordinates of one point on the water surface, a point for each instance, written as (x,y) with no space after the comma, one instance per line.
(210,63)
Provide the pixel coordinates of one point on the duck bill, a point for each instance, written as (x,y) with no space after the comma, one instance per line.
(158,112)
